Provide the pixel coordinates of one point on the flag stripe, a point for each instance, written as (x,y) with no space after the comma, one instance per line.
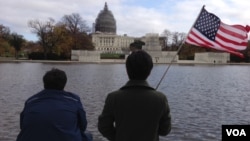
(191,41)
(230,39)
(196,38)
(209,31)
(234,31)
(225,42)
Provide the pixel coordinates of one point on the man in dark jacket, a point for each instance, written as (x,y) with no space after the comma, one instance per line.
(53,114)
(135,112)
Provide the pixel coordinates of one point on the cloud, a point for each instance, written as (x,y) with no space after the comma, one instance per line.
(133,17)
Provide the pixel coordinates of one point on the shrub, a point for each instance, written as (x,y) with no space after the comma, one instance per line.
(50,56)
(112,56)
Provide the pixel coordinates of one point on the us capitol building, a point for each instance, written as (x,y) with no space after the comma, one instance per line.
(106,40)
(104,34)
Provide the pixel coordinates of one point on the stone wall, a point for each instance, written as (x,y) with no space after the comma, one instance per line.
(94,56)
(163,56)
(211,57)
(85,56)
(157,56)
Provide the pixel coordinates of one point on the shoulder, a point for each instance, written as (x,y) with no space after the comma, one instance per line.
(157,96)
(161,95)
(71,96)
(113,94)
(54,94)
(35,96)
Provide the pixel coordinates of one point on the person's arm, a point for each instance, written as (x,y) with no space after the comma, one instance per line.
(21,116)
(165,121)
(82,121)
(106,120)
(21,120)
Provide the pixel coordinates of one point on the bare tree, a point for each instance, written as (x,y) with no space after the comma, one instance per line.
(44,31)
(4,32)
(16,41)
(178,39)
(77,28)
(175,39)
(167,34)
(182,37)
(74,23)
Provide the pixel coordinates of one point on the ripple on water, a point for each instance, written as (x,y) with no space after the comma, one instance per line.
(201,97)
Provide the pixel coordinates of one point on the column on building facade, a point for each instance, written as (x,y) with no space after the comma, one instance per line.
(111,43)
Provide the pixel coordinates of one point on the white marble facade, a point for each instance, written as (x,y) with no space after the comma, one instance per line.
(111,43)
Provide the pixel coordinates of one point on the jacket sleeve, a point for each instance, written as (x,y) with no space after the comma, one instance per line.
(165,121)
(106,120)
(21,120)
(82,121)
(22,116)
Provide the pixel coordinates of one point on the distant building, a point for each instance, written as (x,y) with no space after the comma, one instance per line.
(105,21)
(152,42)
(111,43)
(104,36)
(106,40)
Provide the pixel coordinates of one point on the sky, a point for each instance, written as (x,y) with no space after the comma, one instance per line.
(133,17)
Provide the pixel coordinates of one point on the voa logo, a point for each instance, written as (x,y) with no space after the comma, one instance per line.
(236,132)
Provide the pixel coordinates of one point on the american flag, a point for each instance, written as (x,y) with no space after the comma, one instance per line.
(209,31)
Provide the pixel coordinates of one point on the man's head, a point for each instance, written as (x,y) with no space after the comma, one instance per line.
(136,45)
(139,65)
(55,79)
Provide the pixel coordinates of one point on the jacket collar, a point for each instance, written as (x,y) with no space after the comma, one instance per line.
(52,91)
(137,83)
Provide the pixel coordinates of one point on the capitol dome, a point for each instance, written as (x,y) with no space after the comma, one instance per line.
(105,21)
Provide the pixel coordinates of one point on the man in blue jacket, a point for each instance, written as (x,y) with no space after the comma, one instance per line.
(53,114)
(136,112)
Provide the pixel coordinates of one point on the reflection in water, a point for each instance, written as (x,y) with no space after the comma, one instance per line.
(201,97)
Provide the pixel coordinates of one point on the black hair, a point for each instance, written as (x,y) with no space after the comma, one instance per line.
(139,65)
(55,79)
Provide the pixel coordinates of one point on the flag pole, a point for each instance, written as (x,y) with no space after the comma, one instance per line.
(196,19)
(164,74)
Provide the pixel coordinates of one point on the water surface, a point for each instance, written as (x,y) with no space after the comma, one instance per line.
(201,97)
